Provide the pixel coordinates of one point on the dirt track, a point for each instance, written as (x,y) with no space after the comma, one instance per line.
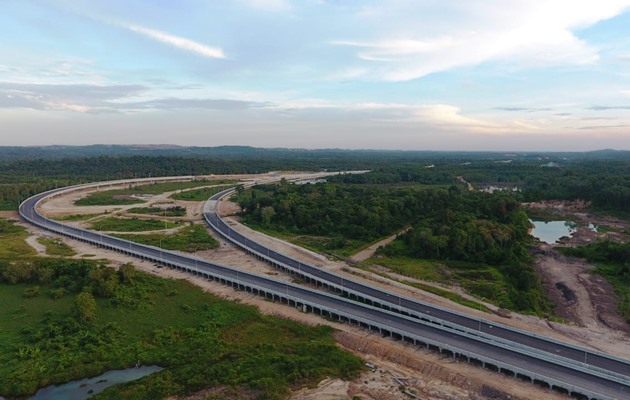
(430,376)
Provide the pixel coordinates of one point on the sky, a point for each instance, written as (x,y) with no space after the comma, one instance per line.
(505,75)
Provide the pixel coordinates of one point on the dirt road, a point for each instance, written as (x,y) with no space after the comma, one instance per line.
(428,375)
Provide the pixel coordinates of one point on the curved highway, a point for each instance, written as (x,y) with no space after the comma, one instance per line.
(569,376)
(416,308)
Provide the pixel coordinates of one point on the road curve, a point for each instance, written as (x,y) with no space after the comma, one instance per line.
(523,363)
(616,366)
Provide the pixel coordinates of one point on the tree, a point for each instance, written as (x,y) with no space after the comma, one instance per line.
(84,307)
(126,273)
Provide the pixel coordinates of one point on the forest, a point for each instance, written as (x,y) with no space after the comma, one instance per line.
(602,177)
(448,224)
(62,314)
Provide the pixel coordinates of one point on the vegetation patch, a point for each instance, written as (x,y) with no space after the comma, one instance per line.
(68,319)
(448,294)
(119,197)
(190,239)
(174,211)
(125,196)
(415,268)
(200,194)
(76,217)
(56,247)
(113,224)
(12,240)
(482,238)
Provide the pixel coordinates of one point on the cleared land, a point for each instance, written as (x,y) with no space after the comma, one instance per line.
(432,376)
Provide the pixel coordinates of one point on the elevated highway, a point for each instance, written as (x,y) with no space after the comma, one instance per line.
(414,308)
(524,363)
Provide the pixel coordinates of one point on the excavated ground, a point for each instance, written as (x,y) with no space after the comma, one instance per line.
(398,367)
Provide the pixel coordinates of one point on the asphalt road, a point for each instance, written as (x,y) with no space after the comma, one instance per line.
(404,325)
(504,333)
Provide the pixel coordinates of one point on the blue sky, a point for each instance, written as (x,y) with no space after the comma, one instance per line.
(398,74)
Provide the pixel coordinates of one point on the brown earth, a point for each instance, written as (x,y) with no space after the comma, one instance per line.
(429,375)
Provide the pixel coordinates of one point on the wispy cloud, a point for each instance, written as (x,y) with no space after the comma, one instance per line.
(527,33)
(523,109)
(607,108)
(179,42)
(87,98)
(272,5)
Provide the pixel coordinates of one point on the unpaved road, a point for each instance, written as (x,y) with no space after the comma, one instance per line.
(430,375)
(369,252)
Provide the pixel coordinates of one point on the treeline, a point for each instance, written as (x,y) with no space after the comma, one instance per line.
(604,182)
(65,276)
(348,212)
(603,178)
(446,224)
(68,319)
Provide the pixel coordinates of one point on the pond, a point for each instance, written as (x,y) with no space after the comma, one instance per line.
(86,388)
(551,231)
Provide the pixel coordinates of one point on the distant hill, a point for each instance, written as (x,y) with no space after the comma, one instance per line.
(14,153)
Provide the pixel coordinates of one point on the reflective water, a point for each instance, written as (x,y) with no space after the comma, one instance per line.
(86,388)
(551,231)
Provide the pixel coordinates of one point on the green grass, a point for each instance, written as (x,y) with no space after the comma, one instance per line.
(191,238)
(199,194)
(482,281)
(12,244)
(622,289)
(163,187)
(113,224)
(428,288)
(76,217)
(167,212)
(448,294)
(333,246)
(56,247)
(200,340)
(109,197)
(416,268)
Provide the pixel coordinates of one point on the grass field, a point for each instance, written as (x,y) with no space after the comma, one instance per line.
(12,244)
(200,340)
(483,281)
(199,194)
(109,197)
(56,247)
(191,239)
(166,212)
(76,217)
(113,224)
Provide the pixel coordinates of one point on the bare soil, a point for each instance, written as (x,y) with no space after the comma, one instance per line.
(426,374)
(369,252)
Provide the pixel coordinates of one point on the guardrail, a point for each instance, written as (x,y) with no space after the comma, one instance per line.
(228,275)
(211,214)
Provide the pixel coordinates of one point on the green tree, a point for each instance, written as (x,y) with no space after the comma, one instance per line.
(84,307)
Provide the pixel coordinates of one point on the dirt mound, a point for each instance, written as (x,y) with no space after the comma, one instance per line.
(568,294)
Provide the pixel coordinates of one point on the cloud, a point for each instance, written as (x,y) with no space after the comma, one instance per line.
(523,109)
(608,108)
(179,42)
(523,32)
(207,104)
(66,97)
(271,5)
(602,127)
(87,98)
